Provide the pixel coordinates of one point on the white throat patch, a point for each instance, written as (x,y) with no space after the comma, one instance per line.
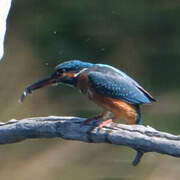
(84,69)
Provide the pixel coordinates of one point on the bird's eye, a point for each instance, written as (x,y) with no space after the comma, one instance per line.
(63,70)
(60,71)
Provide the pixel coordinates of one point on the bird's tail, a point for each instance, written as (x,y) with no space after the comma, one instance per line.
(139,118)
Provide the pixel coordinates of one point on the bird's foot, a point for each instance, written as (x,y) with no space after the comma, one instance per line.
(104,123)
(106,116)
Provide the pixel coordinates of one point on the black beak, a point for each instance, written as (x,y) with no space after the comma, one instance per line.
(39,84)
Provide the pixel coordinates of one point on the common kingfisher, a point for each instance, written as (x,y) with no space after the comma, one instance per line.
(117,93)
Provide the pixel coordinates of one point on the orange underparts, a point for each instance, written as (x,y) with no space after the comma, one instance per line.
(119,108)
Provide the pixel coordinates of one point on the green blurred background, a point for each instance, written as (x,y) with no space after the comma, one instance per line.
(140,37)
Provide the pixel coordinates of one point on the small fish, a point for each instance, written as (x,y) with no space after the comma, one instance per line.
(34,86)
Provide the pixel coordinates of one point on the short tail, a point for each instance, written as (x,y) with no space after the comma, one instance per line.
(139,118)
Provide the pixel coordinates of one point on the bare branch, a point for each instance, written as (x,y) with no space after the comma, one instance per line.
(142,139)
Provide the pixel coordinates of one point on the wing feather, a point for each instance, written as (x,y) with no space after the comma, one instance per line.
(116,86)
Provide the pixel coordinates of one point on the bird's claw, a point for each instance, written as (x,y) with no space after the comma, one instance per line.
(104,123)
(95,119)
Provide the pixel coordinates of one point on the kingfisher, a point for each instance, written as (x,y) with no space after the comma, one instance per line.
(118,94)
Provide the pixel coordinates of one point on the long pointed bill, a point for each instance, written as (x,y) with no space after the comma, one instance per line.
(37,85)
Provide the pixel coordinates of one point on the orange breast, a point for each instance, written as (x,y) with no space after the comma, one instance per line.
(82,83)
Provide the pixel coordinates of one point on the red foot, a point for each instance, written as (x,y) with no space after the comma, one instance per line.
(104,123)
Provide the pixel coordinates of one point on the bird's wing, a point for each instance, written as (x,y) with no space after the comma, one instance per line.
(120,72)
(116,86)
(128,78)
(137,85)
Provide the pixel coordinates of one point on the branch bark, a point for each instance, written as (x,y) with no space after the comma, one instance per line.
(140,138)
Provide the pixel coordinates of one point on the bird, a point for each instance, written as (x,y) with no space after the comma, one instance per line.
(119,95)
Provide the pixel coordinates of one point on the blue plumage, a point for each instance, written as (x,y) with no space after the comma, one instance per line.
(120,72)
(110,81)
(74,65)
(117,87)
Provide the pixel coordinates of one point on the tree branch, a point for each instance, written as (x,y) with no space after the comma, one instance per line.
(142,139)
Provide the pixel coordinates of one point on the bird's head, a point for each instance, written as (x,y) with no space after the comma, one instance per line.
(64,73)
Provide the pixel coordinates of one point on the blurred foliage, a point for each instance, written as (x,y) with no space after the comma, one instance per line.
(140,37)
(98,30)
